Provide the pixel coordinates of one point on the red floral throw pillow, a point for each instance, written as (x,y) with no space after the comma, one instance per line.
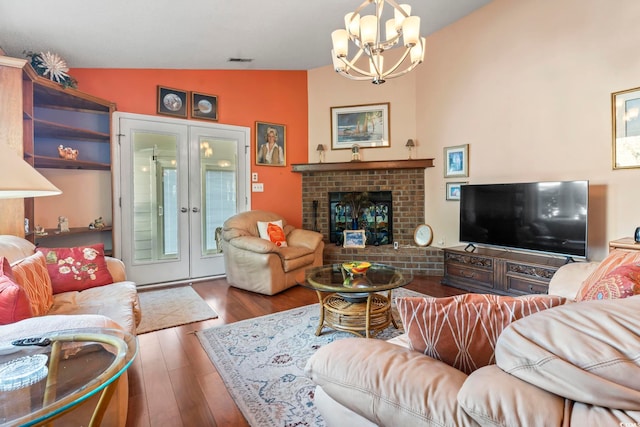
(76,269)
(14,301)
(462,330)
(621,282)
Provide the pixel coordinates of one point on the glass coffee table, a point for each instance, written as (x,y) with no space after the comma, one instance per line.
(39,383)
(353,303)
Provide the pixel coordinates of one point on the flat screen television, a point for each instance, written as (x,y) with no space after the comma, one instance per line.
(549,217)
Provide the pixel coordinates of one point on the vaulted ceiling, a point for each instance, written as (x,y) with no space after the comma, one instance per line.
(193,34)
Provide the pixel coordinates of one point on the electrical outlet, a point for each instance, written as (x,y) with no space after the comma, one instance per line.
(396,245)
(257,187)
(254,177)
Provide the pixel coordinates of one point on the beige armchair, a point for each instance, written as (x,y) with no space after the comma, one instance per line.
(257,264)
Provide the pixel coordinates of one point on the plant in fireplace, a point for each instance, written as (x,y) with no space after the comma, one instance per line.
(368,211)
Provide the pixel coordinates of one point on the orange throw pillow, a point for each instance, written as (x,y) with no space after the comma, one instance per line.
(14,301)
(462,330)
(622,282)
(76,269)
(276,234)
(32,275)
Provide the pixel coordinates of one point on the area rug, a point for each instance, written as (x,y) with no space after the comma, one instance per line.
(262,360)
(169,307)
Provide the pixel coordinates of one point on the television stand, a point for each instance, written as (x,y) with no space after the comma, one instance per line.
(499,271)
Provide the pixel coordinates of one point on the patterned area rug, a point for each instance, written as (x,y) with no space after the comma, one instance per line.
(169,307)
(262,362)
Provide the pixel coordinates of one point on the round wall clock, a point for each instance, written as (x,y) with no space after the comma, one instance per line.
(423,235)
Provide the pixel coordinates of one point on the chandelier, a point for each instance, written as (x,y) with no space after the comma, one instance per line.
(365,32)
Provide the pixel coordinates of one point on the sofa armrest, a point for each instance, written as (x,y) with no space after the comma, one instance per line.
(304,238)
(387,384)
(253,244)
(568,279)
(116,269)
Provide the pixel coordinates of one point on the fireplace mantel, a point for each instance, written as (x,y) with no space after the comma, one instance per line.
(354,166)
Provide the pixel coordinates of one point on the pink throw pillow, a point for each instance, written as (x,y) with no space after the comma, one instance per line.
(78,268)
(621,282)
(32,275)
(462,330)
(14,302)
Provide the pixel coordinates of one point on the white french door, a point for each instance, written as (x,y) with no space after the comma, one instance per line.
(179,181)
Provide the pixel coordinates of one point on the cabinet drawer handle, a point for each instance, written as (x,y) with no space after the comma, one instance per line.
(467,275)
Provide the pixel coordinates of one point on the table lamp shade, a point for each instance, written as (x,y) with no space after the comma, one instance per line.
(18,179)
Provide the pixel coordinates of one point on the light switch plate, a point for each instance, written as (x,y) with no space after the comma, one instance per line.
(257,187)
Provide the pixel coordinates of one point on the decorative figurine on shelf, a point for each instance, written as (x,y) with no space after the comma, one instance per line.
(39,230)
(63,224)
(67,153)
(97,224)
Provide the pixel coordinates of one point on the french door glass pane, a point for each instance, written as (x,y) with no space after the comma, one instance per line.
(218,160)
(155,207)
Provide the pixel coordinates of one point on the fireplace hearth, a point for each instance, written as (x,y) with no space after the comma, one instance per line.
(371,211)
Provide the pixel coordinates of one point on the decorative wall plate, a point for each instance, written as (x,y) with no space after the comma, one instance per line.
(423,235)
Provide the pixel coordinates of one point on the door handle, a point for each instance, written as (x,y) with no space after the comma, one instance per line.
(195,210)
(184,210)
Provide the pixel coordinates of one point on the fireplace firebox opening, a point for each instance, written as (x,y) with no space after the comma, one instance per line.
(370,211)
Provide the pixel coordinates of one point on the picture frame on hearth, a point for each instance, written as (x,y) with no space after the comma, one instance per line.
(366,125)
(625,106)
(453,190)
(456,161)
(172,102)
(354,239)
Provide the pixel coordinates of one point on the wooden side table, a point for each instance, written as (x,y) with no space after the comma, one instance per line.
(625,243)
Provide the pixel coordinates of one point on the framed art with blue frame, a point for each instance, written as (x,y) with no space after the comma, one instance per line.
(453,190)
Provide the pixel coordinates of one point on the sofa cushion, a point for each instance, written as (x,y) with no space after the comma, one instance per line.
(14,302)
(494,398)
(462,330)
(32,275)
(387,384)
(587,352)
(272,231)
(78,268)
(621,282)
(118,301)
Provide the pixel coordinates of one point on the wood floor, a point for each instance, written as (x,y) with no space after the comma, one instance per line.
(173,383)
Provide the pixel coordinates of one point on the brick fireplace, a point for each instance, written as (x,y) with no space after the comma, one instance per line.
(405,180)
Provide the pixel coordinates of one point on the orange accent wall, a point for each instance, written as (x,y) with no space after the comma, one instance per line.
(244,97)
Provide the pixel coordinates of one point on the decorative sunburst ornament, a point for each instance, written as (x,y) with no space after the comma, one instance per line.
(52,66)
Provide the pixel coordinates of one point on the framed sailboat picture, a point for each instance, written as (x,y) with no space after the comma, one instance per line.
(365,125)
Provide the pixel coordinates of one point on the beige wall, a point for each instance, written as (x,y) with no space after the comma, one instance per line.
(527,84)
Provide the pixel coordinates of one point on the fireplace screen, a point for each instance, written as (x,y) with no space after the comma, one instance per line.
(369,211)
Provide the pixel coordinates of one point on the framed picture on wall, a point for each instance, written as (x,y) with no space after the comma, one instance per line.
(456,161)
(270,144)
(453,190)
(364,125)
(626,128)
(172,102)
(204,106)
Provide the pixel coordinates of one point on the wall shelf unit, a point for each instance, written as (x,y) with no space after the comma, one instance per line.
(48,117)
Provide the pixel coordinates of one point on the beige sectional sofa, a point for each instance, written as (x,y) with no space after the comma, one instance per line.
(110,306)
(577,364)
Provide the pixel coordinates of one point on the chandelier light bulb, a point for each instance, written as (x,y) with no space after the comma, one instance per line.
(365,32)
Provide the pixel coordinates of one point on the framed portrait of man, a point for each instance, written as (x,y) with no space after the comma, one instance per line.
(270,144)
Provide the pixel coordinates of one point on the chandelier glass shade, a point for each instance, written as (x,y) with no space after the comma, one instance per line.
(371,60)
